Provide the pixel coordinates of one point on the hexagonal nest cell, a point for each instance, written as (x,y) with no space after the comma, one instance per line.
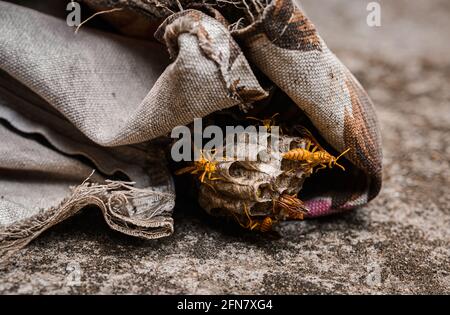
(251,188)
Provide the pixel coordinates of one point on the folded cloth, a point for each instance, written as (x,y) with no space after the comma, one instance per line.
(71,103)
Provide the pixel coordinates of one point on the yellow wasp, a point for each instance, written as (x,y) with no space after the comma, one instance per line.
(315,157)
(268,122)
(205,166)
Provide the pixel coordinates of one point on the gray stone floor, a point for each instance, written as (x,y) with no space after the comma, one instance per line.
(400,243)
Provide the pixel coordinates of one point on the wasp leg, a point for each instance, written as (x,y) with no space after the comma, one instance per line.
(307,168)
(254,226)
(250,225)
(210,186)
(308,146)
(290,172)
(274,203)
(322,166)
(202,178)
(238,221)
(195,171)
(212,178)
(246,212)
(339,165)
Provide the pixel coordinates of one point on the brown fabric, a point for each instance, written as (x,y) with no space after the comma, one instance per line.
(71,103)
(285,45)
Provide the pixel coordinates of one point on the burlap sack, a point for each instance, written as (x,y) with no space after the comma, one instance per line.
(95,100)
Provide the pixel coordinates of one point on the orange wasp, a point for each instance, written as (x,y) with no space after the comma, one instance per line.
(291,207)
(264,225)
(318,156)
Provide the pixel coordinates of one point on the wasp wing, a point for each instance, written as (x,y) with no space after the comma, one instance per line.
(306,134)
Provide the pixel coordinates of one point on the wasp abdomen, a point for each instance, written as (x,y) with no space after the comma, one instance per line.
(298,154)
(266,225)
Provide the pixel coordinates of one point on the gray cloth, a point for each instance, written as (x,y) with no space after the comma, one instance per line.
(71,103)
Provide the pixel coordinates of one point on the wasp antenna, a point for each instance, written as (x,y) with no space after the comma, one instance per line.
(342,153)
(335,161)
(199,150)
(340,166)
(254,118)
(210,154)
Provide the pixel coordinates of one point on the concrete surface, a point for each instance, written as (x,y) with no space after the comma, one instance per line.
(400,243)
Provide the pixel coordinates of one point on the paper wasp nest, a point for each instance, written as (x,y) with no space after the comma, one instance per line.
(254,185)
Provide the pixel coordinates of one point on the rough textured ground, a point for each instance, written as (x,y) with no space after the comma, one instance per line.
(400,243)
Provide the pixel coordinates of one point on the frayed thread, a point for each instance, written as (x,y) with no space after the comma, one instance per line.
(94,15)
(117,200)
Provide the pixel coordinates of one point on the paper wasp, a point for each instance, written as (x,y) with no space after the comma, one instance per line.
(264,225)
(290,207)
(268,122)
(318,156)
(205,166)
